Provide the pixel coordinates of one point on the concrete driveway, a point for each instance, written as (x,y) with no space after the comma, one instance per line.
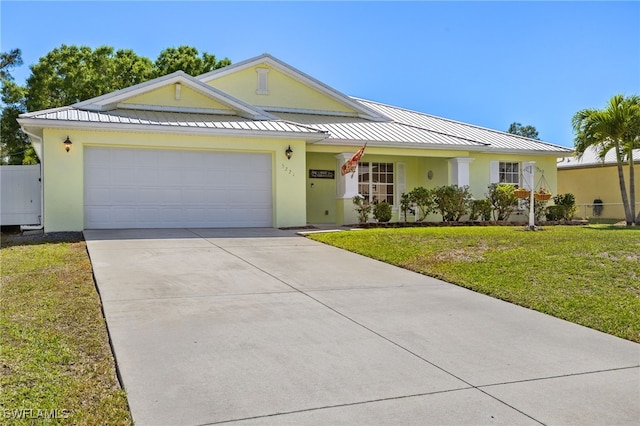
(260,326)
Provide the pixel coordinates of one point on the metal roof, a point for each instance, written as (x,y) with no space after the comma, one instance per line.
(590,158)
(388,132)
(171,119)
(495,140)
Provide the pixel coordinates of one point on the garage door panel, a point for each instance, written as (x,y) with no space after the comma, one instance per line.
(161,188)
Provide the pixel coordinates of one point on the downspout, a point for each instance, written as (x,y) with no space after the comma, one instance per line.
(41,226)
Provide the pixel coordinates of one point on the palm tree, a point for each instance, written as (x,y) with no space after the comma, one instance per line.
(615,127)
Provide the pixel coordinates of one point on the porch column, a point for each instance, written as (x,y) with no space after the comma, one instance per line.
(346,189)
(459,167)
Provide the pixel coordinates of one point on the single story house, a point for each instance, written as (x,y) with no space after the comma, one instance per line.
(255,144)
(590,178)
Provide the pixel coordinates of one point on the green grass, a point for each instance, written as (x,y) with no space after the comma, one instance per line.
(586,275)
(55,353)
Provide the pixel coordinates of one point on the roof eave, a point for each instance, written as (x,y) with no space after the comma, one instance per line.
(391,144)
(151,128)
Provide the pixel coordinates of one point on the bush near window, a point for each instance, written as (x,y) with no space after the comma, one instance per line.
(502,198)
(452,201)
(363,208)
(406,204)
(382,211)
(480,210)
(424,200)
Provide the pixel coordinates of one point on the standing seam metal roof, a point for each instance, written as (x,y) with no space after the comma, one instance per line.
(492,138)
(174,119)
(404,127)
(358,129)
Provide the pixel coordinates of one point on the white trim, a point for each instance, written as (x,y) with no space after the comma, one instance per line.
(164,108)
(460,174)
(347,185)
(171,129)
(371,183)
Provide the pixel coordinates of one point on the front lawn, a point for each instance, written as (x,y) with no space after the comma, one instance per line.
(55,355)
(586,275)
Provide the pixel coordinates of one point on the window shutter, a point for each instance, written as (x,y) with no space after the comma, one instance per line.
(494,176)
(401,178)
(401,182)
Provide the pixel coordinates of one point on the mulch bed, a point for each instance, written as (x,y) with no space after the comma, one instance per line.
(467,223)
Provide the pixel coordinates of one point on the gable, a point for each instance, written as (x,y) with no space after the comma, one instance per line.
(176,95)
(176,92)
(283,91)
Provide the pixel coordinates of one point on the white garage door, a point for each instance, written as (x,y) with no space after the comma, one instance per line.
(149,188)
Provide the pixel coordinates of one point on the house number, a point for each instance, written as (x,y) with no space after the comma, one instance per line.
(288,170)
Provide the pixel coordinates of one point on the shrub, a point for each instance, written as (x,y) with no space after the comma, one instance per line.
(405,205)
(554,212)
(538,208)
(382,211)
(423,198)
(503,200)
(452,201)
(568,205)
(363,208)
(480,209)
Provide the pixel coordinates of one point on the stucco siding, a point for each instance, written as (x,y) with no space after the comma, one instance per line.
(166,96)
(284,91)
(63,172)
(598,182)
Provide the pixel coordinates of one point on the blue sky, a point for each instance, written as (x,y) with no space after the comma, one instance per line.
(485,63)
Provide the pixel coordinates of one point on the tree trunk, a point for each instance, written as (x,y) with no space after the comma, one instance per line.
(632,190)
(623,188)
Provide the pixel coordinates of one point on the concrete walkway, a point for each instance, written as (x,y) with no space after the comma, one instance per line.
(260,326)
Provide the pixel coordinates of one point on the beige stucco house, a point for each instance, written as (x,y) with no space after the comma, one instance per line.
(255,144)
(591,178)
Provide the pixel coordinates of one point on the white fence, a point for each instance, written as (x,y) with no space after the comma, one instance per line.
(20,195)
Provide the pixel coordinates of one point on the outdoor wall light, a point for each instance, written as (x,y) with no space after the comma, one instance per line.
(289,152)
(67,144)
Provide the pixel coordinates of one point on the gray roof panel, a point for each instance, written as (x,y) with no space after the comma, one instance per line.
(174,119)
(383,132)
(494,139)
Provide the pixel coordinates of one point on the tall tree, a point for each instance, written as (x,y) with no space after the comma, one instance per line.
(14,144)
(69,74)
(526,131)
(187,59)
(615,127)
(9,60)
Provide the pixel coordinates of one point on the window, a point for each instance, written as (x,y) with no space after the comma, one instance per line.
(509,173)
(375,181)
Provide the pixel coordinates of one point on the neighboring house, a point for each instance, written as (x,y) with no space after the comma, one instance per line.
(211,151)
(591,178)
